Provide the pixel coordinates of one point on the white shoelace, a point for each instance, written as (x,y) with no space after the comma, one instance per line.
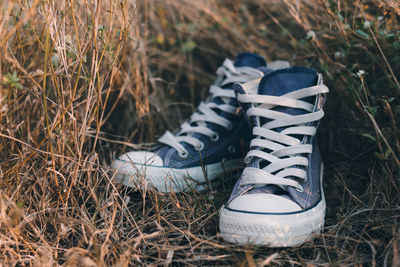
(284,151)
(226,74)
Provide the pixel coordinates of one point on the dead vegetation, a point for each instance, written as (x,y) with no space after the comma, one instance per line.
(83,81)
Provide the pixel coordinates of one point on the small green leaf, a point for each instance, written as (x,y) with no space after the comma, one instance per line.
(20,204)
(379,156)
(188,46)
(340,16)
(12,80)
(369,137)
(387,154)
(362,34)
(372,110)
(55,60)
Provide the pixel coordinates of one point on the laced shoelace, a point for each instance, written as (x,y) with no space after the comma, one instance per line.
(281,152)
(226,74)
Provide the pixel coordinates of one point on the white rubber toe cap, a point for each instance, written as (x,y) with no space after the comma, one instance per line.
(141,157)
(267,203)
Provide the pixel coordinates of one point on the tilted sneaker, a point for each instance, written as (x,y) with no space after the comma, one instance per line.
(207,145)
(278,201)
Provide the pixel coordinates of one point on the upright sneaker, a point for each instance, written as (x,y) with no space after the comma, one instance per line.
(278,201)
(207,145)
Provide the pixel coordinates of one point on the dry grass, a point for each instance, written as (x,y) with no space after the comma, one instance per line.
(83,81)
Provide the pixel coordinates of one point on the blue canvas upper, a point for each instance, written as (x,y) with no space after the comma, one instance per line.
(230,144)
(279,83)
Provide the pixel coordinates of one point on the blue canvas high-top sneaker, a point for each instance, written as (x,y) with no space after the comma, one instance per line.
(278,200)
(207,145)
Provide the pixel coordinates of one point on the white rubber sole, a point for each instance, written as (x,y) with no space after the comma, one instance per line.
(273,230)
(166,179)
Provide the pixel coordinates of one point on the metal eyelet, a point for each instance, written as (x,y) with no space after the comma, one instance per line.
(200,147)
(183,154)
(232,149)
(299,189)
(215,137)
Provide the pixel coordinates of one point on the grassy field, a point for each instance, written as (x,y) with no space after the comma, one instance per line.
(83,81)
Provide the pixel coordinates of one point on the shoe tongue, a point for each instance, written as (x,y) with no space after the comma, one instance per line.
(284,81)
(249,60)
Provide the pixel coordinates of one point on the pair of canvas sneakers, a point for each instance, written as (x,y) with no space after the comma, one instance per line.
(278,200)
